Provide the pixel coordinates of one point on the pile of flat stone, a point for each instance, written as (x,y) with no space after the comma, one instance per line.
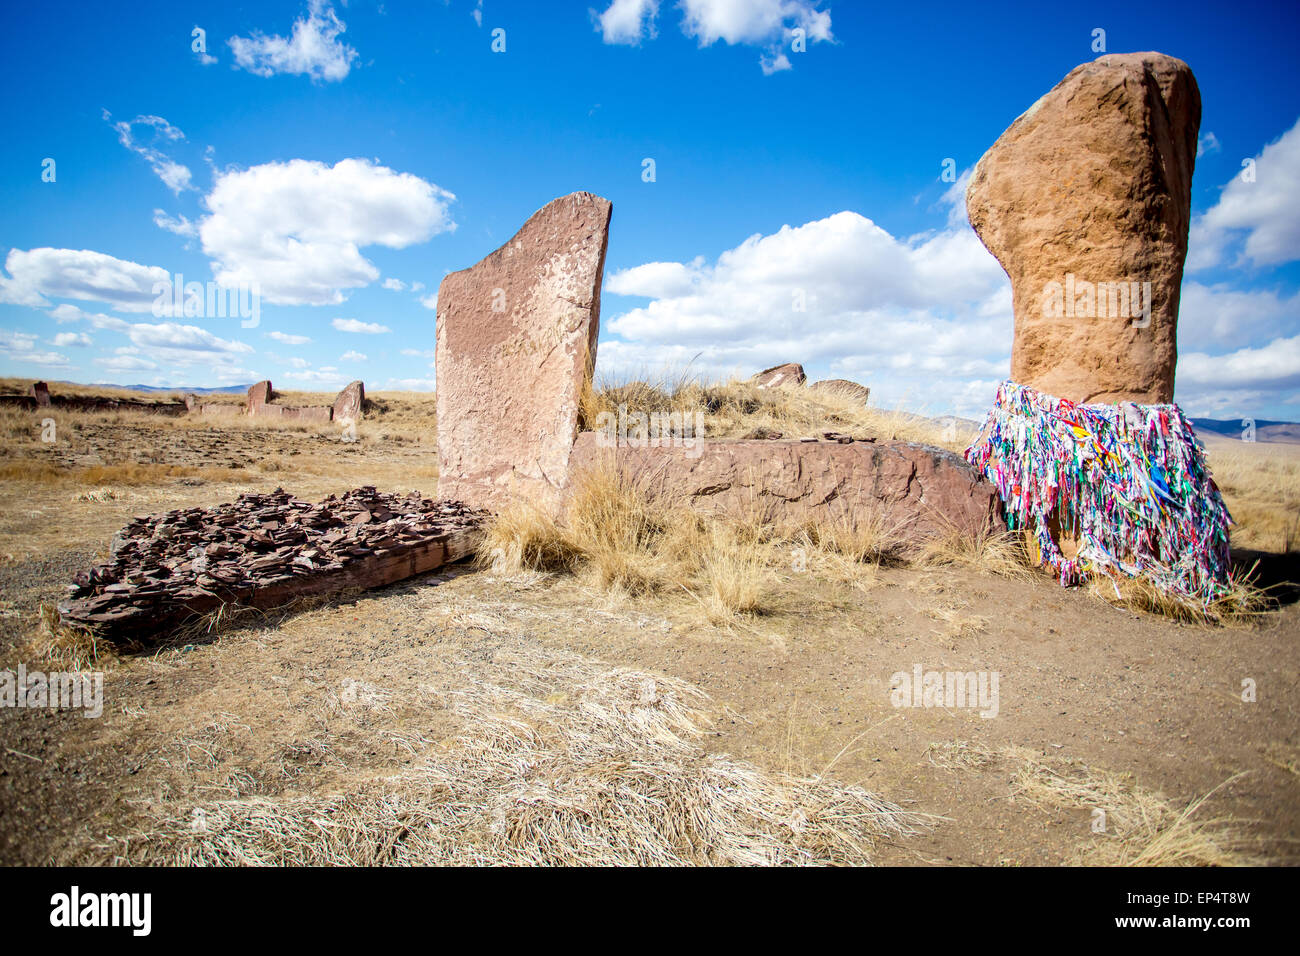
(263,551)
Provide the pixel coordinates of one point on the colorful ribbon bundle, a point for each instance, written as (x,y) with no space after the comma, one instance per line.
(1129,481)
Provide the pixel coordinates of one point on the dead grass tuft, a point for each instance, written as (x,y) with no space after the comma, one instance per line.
(1141,827)
(562,761)
(55,645)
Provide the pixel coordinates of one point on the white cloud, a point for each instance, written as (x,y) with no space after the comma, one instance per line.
(288,339)
(477,13)
(70,313)
(413,384)
(185,345)
(21,347)
(312,50)
(627,22)
(1264,214)
(78,339)
(1220,315)
(917,320)
(396,285)
(359,327)
(125,360)
(35,275)
(766,23)
(352,356)
(753,21)
(325,375)
(296,228)
(179,225)
(173,174)
(1207,142)
(429,301)
(1239,383)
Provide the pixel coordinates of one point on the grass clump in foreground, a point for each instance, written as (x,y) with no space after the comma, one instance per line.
(1138,827)
(620,538)
(560,760)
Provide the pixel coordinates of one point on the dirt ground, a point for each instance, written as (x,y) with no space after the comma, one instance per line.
(343,696)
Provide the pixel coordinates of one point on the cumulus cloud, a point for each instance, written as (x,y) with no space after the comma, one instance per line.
(396,285)
(36,275)
(916,319)
(326,375)
(359,327)
(1259,220)
(753,21)
(180,225)
(125,359)
(183,346)
(296,228)
(21,347)
(764,23)
(77,339)
(627,22)
(352,356)
(429,301)
(288,339)
(64,313)
(174,175)
(313,49)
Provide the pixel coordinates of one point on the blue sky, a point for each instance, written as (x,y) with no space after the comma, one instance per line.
(346,157)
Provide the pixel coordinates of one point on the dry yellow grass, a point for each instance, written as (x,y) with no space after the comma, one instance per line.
(1261,486)
(558,760)
(1139,827)
(624,540)
(736,408)
(1130,825)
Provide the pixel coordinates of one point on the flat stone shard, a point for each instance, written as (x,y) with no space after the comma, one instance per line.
(917,491)
(350,401)
(41,392)
(1085,201)
(791,373)
(516,343)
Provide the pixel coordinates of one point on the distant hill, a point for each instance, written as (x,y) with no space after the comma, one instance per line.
(1265,430)
(183,389)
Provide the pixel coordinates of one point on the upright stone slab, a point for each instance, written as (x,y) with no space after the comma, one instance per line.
(516,343)
(1085,200)
(349,402)
(259,396)
(41,392)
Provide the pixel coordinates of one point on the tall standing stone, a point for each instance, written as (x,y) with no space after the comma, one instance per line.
(41,392)
(349,402)
(259,396)
(1085,200)
(516,344)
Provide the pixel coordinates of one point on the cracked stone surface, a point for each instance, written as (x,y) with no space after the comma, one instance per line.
(919,490)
